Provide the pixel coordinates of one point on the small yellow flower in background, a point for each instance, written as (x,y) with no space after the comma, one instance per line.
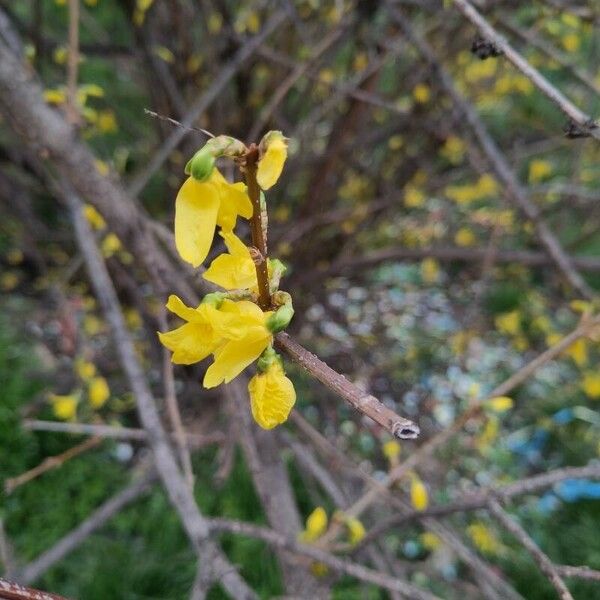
(539,170)
(590,384)
(98,392)
(508,323)
(316,525)
(489,434)
(9,281)
(484,539)
(106,121)
(55,96)
(356,530)
(578,351)
(110,245)
(571,42)
(499,403)
(391,450)
(141,8)
(64,407)
(487,185)
(581,306)
(464,237)
(272,396)
(395,142)
(165,54)
(60,55)
(93,217)
(273,149)
(418,493)
(413,197)
(85,369)
(453,150)
(421,93)
(430,270)
(235,270)
(430,540)
(202,205)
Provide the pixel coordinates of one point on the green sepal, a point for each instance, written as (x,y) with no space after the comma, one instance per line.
(267,358)
(214,298)
(282,316)
(201,165)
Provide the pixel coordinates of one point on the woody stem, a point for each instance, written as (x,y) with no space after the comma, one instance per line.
(256,226)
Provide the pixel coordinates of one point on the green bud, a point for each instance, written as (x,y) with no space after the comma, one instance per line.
(214,298)
(276,272)
(281,318)
(200,166)
(267,358)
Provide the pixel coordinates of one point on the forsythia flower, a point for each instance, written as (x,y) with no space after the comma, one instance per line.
(273,157)
(418,494)
(98,392)
(235,333)
(591,385)
(235,270)
(64,407)
(356,530)
(316,525)
(391,450)
(200,206)
(484,538)
(272,396)
(499,403)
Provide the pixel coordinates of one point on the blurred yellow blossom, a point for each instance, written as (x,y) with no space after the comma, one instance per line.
(484,539)
(421,93)
(508,323)
(85,369)
(499,404)
(539,170)
(316,525)
(591,384)
(64,407)
(465,237)
(418,493)
(430,270)
(391,450)
(98,392)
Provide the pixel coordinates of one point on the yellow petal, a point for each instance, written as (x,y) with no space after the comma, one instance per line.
(64,407)
(272,397)
(85,369)
(235,270)
(235,355)
(98,392)
(196,209)
(316,525)
(499,403)
(234,202)
(271,164)
(189,343)
(356,530)
(418,494)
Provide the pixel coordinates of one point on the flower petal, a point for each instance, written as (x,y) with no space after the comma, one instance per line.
(272,397)
(271,164)
(196,209)
(189,343)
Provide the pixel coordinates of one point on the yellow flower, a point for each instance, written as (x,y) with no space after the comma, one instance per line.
(571,42)
(110,244)
(484,539)
(200,336)
(98,392)
(233,356)
(356,530)
(94,218)
(453,150)
(430,270)
(418,494)
(391,450)
(235,270)
(591,385)
(421,93)
(464,237)
(272,396)
(55,96)
(578,352)
(316,525)
(84,369)
(499,403)
(413,197)
(509,322)
(64,407)
(430,540)
(539,170)
(273,157)
(200,206)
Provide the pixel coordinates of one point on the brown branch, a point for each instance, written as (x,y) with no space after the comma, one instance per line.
(73,62)
(585,122)
(14,591)
(49,463)
(579,572)
(366,404)
(317,554)
(257,228)
(120,433)
(542,560)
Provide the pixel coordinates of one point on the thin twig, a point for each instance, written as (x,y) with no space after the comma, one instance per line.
(49,463)
(176,123)
(15,591)
(545,564)
(73,62)
(578,572)
(366,404)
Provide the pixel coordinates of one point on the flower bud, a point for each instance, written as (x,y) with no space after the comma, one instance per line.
(281,318)
(200,166)
(214,298)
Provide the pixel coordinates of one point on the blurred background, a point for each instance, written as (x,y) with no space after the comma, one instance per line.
(439,218)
